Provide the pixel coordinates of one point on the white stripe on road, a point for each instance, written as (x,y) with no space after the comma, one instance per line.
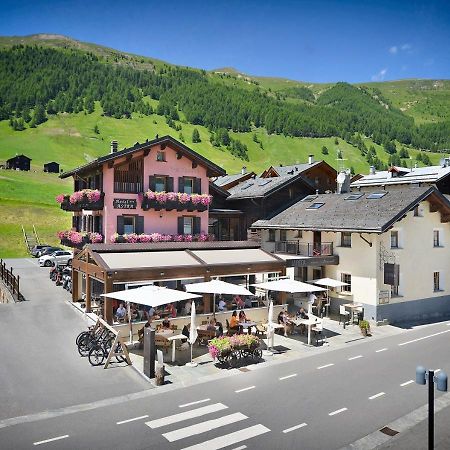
(326,365)
(240,448)
(288,430)
(437,370)
(244,389)
(380,394)
(424,337)
(381,350)
(186,415)
(194,403)
(288,376)
(355,357)
(132,420)
(51,440)
(231,438)
(407,382)
(338,411)
(203,427)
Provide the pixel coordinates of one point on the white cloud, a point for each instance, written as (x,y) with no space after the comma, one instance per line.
(405,47)
(380,75)
(400,48)
(393,50)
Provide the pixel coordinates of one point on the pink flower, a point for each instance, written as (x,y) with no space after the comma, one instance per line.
(92,195)
(76,197)
(161,197)
(114,237)
(172,196)
(187,237)
(156,237)
(183,197)
(196,199)
(132,238)
(95,237)
(60,198)
(205,199)
(150,195)
(75,237)
(178,238)
(62,234)
(144,238)
(203,237)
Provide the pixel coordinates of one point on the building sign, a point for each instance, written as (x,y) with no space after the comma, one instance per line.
(124,203)
(313,261)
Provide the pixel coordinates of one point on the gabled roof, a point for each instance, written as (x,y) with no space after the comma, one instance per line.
(18,156)
(262,187)
(363,214)
(213,169)
(228,181)
(402,175)
(293,169)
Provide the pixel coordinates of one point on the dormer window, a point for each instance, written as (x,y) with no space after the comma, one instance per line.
(161,156)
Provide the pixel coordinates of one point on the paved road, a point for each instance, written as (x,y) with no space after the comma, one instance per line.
(321,402)
(39,366)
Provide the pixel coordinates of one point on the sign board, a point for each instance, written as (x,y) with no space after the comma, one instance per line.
(124,203)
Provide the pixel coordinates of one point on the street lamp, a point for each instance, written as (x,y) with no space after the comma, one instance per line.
(441,383)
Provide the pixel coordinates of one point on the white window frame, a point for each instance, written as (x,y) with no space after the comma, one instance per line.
(397,233)
(188,222)
(191,187)
(346,289)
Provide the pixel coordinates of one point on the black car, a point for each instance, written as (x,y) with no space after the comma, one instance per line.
(38,248)
(49,251)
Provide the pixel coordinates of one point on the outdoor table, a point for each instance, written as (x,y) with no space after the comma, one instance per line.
(312,320)
(247,324)
(174,339)
(205,327)
(165,332)
(353,307)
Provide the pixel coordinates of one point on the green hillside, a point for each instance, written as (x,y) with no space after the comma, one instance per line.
(242,120)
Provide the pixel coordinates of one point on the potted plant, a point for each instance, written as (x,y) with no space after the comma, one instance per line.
(364,326)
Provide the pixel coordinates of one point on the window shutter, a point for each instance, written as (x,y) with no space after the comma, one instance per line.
(197,185)
(74,222)
(151,183)
(180,225)
(120,224)
(139,224)
(396,275)
(169,184)
(180,184)
(100,225)
(197,224)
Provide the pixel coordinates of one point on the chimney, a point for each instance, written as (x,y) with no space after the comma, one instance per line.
(372,170)
(310,159)
(343,182)
(244,170)
(114,146)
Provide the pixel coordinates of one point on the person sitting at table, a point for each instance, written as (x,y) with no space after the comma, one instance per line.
(211,325)
(166,324)
(172,310)
(242,316)
(134,312)
(187,308)
(222,306)
(234,322)
(302,313)
(239,302)
(283,319)
(121,313)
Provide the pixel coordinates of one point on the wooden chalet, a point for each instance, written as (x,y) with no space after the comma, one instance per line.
(18,162)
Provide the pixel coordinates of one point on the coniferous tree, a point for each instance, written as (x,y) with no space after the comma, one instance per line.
(196,136)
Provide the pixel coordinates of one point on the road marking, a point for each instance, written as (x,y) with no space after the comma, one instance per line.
(338,411)
(380,394)
(437,370)
(231,438)
(132,420)
(424,337)
(51,440)
(355,357)
(288,376)
(245,389)
(287,430)
(185,415)
(326,365)
(194,403)
(407,382)
(203,427)
(240,448)
(381,350)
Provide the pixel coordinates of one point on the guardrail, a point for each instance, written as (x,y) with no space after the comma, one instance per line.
(304,248)
(11,281)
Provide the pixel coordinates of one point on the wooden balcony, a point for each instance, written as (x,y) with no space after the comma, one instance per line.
(83,204)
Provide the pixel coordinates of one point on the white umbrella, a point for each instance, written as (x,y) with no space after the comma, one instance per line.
(217,287)
(149,295)
(270,329)
(288,285)
(192,334)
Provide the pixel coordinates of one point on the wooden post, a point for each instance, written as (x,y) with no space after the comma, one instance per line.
(75,285)
(88,293)
(107,288)
(283,295)
(206,298)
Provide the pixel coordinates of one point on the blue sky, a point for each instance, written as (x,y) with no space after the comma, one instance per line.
(315,41)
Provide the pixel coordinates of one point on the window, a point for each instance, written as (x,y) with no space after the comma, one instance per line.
(299,234)
(128,224)
(315,205)
(394,239)
(309,198)
(283,235)
(436,285)
(416,211)
(376,195)
(346,278)
(392,277)
(346,239)
(160,184)
(436,242)
(161,156)
(188,185)
(354,196)
(188,225)
(271,235)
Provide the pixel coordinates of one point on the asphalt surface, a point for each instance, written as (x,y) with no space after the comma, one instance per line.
(40,368)
(325,401)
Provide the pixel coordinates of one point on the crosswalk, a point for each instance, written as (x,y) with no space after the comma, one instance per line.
(205,424)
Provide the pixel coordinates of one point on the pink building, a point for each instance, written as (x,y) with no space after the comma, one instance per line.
(158,190)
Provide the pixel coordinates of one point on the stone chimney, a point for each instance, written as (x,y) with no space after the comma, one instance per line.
(114,146)
(244,170)
(310,159)
(372,170)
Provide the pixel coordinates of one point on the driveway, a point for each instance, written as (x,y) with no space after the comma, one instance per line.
(40,367)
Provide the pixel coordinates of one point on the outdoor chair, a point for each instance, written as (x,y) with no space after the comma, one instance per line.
(231,331)
(343,313)
(318,332)
(205,335)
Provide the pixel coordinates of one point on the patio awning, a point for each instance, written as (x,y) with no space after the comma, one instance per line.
(329,282)
(288,285)
(217,287)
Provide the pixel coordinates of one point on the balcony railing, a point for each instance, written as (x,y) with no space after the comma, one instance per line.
(83,203)
(304,248)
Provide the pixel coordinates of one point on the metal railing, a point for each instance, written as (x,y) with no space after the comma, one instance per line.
(11,281)
(304,248)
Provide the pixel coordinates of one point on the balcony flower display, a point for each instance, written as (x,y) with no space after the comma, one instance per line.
(158,237)
(172,196)
(179,200)
(83,196)
(93,195)
(77,238)
(76,197)
(132,238)
(144,238)
(161,197)
(183,197)
(95,238)
(60,198)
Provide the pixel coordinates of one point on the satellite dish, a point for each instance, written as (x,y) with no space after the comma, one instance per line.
(341,178)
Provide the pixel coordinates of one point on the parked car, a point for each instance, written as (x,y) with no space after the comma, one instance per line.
(49,250)
(37,249)
(58,257)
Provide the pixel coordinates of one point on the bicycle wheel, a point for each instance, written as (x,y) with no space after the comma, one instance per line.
(81,336)
(257,353)
(96,356)
(234,359)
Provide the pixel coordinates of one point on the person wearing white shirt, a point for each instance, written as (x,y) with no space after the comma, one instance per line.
(222,306)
